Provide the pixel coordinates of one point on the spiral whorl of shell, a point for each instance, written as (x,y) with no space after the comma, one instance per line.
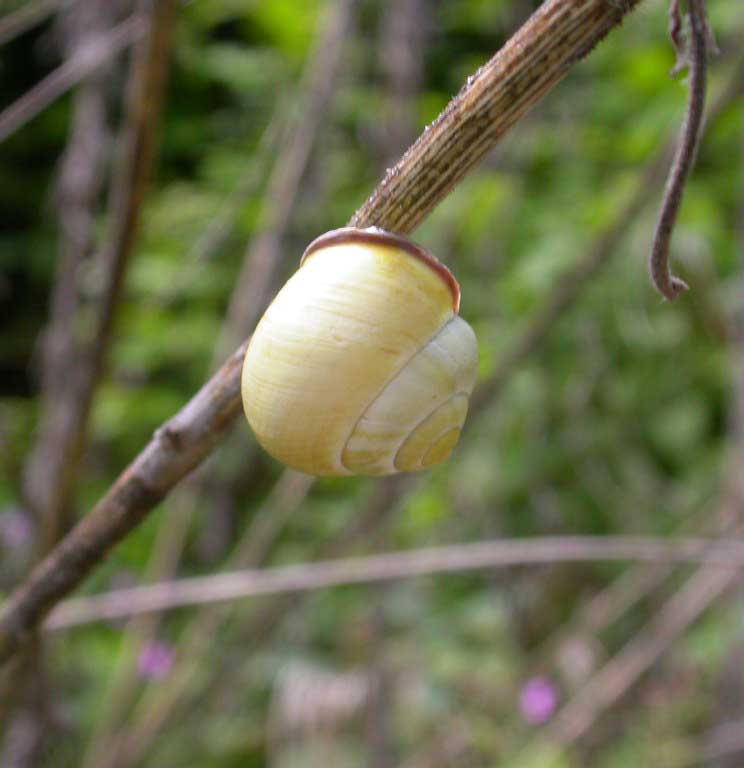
(361,364)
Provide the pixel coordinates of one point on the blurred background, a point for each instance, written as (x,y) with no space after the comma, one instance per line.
(141,235)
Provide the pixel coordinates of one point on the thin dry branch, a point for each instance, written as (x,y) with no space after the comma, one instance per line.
(53,466)
(144,104)
(666,283)
(69,394)
(538,56)
(176,448)
(25,18)
(50,471)
(723,741)
(721,556)
(87,60)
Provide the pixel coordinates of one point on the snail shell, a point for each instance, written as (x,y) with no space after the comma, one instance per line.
(361,365)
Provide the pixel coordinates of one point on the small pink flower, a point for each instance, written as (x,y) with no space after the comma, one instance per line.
(538,700)
(155,660)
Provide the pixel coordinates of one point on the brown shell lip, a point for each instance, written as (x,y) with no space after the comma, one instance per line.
(376,236)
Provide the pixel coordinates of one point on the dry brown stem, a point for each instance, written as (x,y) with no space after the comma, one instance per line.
(721,556)
(82,64)
(50,469)
(25,18)
(696,57)
(537,57)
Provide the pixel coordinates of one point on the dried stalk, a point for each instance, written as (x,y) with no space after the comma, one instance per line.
(83,63)
(53,466)
(144,104)
(721,556)
(538,56)
(25,18)
(50,469)
(697,57)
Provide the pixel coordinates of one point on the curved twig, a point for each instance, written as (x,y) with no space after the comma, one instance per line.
(666,283)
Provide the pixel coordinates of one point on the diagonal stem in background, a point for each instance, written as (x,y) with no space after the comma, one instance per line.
(198,637)
(82,64)
(530,64)
(51,466)
(19,22)
(55,461)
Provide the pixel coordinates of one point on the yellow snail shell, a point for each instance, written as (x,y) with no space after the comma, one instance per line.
(361,365)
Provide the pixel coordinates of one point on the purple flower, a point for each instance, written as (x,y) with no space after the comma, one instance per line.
(155,660)
(538,700)
(15,529)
